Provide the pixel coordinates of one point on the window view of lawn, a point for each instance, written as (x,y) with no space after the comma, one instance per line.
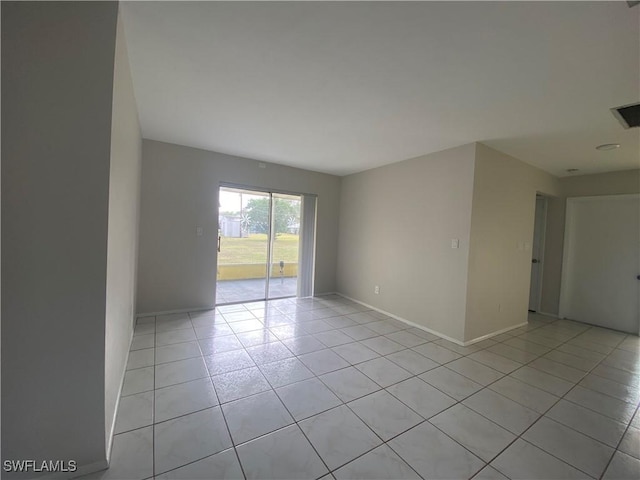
(253,249)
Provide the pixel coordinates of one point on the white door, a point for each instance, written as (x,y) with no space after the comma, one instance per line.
(601,262)
(537,253)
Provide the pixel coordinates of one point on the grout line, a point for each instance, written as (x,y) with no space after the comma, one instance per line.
(539,417)
(617,447)
(295,422)
(153,414)
(264,320)
(566,426)
(224,418)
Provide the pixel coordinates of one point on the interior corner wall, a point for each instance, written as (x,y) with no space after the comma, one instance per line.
(122,241)
(177,269)
(396,227)
(504,195)
(612,183)
(57,87)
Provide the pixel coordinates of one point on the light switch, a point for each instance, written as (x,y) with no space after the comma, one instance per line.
(455,243)
(527,246)
(199,231)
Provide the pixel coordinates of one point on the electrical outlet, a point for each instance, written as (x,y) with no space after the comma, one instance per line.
(376,289)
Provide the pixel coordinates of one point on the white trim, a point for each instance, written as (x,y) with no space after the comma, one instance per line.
(270,233)
(307,246)
(493,334)
(564,277)
(404,320)
(115,414)
(616,110)
(180,310)
(543,247)
(546,314)
(250,188)
(541,252)
(435,332)
(115,411)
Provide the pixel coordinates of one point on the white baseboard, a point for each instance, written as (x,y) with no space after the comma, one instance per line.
(113,422)
(115,411)
(435,332)
(404,320)
(493,334)
(552,315)
(169,312)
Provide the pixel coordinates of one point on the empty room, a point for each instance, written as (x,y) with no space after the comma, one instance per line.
(320,240)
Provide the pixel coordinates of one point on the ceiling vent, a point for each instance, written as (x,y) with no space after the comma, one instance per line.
(628,115)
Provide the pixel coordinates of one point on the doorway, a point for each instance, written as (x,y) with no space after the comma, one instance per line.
(259,238)
(601,262)
(537,253)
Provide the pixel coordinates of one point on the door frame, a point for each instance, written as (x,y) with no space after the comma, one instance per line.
(565,279)
(270,192)
(272,240)
(543,235)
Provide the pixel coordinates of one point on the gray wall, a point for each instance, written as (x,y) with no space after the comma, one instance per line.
(504,195)
(396,227)
(122,243)
(614,183)
(177,269)
(57,84)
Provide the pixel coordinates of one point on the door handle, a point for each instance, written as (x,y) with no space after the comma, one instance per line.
(219,243)
(535,260)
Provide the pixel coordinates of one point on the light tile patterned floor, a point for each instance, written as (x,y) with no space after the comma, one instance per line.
(323,387)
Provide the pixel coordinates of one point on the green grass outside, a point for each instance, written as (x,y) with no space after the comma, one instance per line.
(253,249)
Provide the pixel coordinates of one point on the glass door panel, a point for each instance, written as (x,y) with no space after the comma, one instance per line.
(285,245)
(244,223)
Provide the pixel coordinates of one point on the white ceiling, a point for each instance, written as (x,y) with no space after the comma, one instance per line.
(344,87)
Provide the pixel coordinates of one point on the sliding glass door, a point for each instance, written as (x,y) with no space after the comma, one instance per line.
(243,245)
(258,245)
(285,246)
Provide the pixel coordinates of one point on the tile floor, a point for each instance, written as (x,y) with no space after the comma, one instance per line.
(323,388)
